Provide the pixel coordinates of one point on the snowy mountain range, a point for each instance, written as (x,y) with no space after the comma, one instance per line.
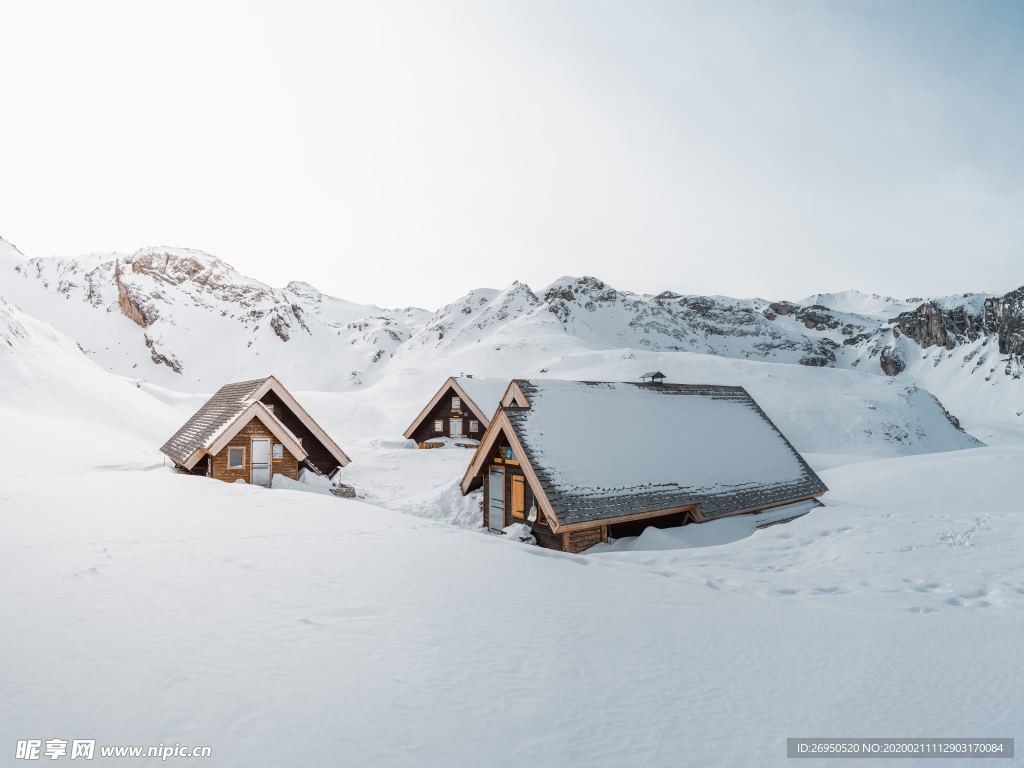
(187,321)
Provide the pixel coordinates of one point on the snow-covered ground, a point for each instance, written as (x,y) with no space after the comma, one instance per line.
(286,628)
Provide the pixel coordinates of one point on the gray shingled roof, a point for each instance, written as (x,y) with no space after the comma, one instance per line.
(216,413)
(602,450)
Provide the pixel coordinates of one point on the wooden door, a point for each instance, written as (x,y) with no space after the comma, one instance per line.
(455,428)
(518,497)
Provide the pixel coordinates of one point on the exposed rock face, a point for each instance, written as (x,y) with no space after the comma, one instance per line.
(125,300)
(1005,316)
(783,307)
(891,363)
(822,356)
(817,317)
(932,326)
(160,358)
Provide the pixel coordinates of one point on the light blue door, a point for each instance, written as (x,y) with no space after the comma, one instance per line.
(496,500)
(260,461)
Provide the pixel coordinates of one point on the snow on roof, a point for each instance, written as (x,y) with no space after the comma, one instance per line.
(217,415)
(604,450)
(207,423)
(485,393)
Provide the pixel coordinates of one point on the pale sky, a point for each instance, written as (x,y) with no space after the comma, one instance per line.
(404,153)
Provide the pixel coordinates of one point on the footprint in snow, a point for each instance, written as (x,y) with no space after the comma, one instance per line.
(175,680)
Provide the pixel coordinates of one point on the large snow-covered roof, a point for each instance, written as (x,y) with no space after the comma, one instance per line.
(485,393)
(603,450)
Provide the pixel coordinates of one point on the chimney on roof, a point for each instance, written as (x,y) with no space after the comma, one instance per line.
(652,377)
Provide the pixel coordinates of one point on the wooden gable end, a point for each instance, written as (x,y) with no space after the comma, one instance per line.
(444,411)
(219,468)
(319,455)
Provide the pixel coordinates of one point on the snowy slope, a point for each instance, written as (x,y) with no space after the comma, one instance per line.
(60,409)
(859,303)
(10,256)
(282,627)
(821,410)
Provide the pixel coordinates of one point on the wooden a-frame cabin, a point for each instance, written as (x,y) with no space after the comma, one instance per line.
(251,431)
(582,462)
(458,413)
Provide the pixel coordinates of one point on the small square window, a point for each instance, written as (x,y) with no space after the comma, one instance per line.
(236,458)
(439,425)
(278,451)
(456,404)
(474,426)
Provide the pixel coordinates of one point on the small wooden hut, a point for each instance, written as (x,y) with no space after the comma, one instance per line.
(251,431)
(581,462)
(458,413)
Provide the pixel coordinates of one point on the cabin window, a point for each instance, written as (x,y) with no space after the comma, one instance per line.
(474,426)
(236,458)
(456,404)
(439,425)
(278,451)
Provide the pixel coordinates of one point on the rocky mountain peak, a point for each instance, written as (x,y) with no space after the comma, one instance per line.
(304,291)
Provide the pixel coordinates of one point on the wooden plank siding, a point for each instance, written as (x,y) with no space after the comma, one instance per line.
(577,541)
(319,456)
(218,464)
(518,489)
(444,411)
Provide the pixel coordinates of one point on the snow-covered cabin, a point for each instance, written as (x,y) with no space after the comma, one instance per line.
(653,377)
(579,462)
(458,413)
(251,431)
